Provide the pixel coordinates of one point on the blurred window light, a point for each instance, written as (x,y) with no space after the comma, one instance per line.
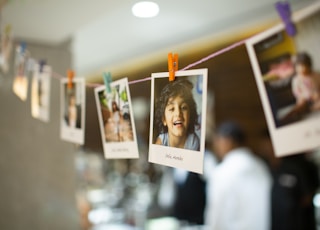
(316,200)
(145,9)
(101,215)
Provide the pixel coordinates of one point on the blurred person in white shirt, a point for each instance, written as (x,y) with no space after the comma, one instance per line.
(239,196)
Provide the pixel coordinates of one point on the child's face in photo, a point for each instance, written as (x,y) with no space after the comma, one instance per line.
(177,116)
(302,69)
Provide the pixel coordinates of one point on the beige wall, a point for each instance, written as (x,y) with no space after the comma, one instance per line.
(37,171)
(307,38)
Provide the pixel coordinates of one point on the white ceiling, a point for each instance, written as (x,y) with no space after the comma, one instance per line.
(104,32)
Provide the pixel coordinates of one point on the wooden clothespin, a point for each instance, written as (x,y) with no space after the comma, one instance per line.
(70,75)
(172,65)
(284,12)
(107,80)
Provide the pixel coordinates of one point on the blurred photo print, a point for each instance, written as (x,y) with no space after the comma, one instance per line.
(73,110)
(178,109)
(6,47)
(21,71)
(116,121)
(40,92)
(287,72)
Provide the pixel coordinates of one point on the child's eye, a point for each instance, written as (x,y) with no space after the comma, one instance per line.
(184,107)
(171,109)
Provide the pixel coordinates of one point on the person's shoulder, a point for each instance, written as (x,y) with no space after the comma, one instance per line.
(193,142)
(161,136)
(194,136)
(162,139)
(244,159)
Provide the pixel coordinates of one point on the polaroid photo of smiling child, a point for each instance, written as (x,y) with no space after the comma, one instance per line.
(287,72)
(40,92)
(178,108)
(72,111)
(116,121)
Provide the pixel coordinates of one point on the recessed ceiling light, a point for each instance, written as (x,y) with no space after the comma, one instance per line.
(145,9)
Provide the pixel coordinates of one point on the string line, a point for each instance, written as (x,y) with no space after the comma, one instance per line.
(57,76)
(215,54)
(210,56)
(139,80)
(93,85)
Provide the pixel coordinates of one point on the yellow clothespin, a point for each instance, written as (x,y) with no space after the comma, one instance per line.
(172,65)
(107,80)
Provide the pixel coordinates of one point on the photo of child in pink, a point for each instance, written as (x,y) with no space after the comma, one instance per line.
(306,83)
(176,116)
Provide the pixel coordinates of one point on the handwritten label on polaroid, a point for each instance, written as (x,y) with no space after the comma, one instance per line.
(173,157)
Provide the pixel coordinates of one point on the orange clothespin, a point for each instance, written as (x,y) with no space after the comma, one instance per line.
(70,75)
(172,65)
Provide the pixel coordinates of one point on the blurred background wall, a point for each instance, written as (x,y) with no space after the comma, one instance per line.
(36,168)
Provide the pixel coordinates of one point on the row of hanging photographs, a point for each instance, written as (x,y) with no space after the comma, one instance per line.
(291,102)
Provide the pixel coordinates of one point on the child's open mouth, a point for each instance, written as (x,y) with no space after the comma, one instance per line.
(177,123)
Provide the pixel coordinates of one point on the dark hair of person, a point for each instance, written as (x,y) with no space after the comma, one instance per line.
(114,106)
(232,130)
(304,59)
(182,88)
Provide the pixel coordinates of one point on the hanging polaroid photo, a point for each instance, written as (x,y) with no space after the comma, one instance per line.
(116,121)
(72,111)
(287,72)
(40,92)
(6,47)
(177,119)
(21,70)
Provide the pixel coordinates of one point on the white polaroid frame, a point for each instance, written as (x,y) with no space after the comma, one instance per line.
(178,157)
(117,149)
(41,110)
(73,134)
(296,137)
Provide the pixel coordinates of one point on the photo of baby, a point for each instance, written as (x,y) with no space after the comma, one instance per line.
(306,84)
(287,72)
(177,109)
